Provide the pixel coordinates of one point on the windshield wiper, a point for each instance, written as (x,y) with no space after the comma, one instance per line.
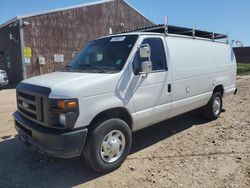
(92,67)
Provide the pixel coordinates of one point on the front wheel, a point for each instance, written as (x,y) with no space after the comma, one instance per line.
(108,145)
(213,109)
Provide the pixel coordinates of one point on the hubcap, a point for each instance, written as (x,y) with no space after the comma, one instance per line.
(216,106)
(112,146)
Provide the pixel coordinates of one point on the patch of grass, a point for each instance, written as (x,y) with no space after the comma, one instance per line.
(243,68)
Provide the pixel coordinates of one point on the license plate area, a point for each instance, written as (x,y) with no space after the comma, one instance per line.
(22,136)
(23,132)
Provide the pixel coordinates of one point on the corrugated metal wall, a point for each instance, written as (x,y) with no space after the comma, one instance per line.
(11,60)
(69,30)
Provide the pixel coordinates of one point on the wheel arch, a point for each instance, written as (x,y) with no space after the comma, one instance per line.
(117,112)
(219,88)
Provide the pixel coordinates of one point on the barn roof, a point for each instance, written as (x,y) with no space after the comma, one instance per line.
(67,8)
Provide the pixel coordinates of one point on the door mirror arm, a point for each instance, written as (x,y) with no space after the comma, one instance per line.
(146,67)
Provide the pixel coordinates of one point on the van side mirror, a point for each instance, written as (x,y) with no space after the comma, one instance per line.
(145,53)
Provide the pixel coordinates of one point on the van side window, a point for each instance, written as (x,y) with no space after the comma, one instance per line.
(158,57)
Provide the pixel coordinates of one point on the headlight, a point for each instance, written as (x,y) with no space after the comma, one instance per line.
(63,113)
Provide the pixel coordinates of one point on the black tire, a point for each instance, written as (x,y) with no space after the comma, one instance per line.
(209,111)
(92,149)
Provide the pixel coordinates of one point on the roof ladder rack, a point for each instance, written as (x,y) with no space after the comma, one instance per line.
(170,29)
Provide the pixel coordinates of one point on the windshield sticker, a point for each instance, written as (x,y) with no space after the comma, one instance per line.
(117,39)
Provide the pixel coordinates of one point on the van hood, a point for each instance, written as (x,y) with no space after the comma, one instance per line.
(68,84)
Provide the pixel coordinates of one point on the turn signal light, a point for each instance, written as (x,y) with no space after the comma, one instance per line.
(66,104)
(71,104)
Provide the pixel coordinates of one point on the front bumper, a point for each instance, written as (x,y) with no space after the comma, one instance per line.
(51,142)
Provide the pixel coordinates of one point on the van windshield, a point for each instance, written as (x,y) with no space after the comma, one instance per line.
(106,55)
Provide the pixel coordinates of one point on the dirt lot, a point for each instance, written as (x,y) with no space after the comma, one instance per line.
(186,151)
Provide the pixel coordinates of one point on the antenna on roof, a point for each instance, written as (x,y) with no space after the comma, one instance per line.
(166,24)
(193,31)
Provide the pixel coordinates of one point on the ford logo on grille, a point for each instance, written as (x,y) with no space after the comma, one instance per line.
(25,104)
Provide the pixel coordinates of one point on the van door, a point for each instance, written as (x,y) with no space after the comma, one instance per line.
(151,93)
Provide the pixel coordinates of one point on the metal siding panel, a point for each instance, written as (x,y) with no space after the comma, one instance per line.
(242,54)
(69,30)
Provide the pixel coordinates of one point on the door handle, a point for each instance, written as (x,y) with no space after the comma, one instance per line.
(169,88)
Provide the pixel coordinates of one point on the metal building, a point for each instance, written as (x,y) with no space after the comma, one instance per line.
(242,54)
(46,41)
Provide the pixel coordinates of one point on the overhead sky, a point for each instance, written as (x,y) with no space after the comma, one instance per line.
(224,16)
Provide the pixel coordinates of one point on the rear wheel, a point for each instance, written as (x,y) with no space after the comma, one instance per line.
(108,145)
(213,109)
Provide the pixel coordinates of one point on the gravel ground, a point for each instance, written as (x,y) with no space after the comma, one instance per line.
(186,151)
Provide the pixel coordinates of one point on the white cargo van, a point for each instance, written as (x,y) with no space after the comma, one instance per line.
(122,83)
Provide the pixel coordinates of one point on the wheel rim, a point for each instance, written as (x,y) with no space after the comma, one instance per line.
(216,106)
(112,146)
